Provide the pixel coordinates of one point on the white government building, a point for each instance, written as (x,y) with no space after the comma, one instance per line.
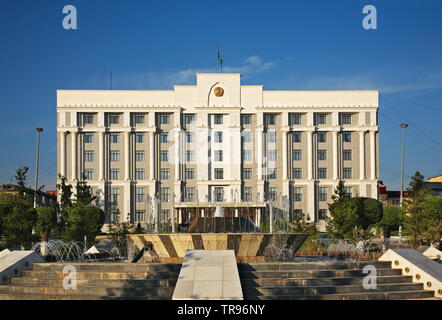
(218,142)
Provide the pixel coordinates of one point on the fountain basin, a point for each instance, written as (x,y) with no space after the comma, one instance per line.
(248,247)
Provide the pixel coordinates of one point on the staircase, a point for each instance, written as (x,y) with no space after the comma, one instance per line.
(325,281)
(95,281)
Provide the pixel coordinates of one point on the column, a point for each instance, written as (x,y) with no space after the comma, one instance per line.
(259,156)
(151,155)
(309,155)
(362,154)
(62,153)
(127,202)
(74,155)
(126,156)
(373,154)
(311,200)
(100,155)
(335,155)
(177,154)
(284,155)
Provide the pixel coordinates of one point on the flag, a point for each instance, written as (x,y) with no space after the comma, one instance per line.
(220,60)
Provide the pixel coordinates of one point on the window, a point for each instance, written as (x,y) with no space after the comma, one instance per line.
(164,174)
(247,173)
(348,192)
(88,156)
(273,194)
(295,119)
(88,137)
(345,118)
(165,214)
(246,136)
(218,194)
(139,155)
(298,213)
(270,119)
(114,137)
(272,155)
(297,173)
(347,173)
(347,154)
(114,118)
(139,215)
(297,154)
(322,136)
(139,137)
(322,193)
(139,174)
(89,174)
(297,194)
(189,118)
(219,173)
(189,194)
(164,137)
(322,173)
(164,118)
(190,137)
(115,196)
(115,216)
(165,194)
(190,156)
(190,174)
(218,137)
(88,118)
(164,155)
(248,194)
(247,155)
(320,118)
(139,118)
(218,119)
(322,154)
(218,155)
(272,173)
(246,119)
(115,156)
(322,214)
(139,195)
(115,174)
(271,136)
(346,136)
(296,137)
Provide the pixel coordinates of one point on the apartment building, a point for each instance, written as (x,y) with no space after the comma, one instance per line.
(218,143)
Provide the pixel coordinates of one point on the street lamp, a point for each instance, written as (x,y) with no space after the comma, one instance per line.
(403,126)
(38,130)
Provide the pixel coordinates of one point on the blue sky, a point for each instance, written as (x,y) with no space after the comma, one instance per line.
(280,44)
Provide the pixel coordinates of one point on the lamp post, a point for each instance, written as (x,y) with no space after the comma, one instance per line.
(38,130)
(403,126)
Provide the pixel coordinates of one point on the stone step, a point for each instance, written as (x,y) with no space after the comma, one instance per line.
(313,273)
(310,266)
(321,281)
(74,297)
(91,291)
(85,275)
(109,267)
(397,295)
(107,283)
(322,290)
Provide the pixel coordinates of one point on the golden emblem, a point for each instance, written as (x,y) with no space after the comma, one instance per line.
(218,91)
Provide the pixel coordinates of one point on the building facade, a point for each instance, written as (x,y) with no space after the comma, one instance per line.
(218,142)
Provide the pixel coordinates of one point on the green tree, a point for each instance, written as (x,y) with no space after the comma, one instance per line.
(20,178)
(84,221)
(391,220)
(84,195)
(46,222)
(19,223)
(65,193)
(339,192)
